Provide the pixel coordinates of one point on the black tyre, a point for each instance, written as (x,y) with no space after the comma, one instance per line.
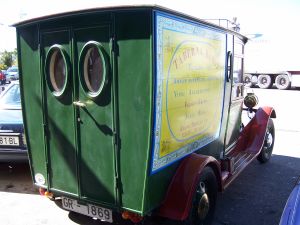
(283,82)
(248,80)
(266,152)
(264,81)
(204,201)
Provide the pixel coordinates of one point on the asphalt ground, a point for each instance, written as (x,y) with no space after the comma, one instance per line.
(256,197)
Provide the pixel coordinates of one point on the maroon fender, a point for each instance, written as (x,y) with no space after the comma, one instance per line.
(250,142)
(179,197)
(252,137)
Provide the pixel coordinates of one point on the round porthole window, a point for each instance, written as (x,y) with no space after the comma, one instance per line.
(57,69)
(92,68)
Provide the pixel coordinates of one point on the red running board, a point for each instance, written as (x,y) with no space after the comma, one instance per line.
(248,146)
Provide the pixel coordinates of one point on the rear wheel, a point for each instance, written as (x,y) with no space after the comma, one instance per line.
(204,201)
(266,152)
(283,82)
(264,81)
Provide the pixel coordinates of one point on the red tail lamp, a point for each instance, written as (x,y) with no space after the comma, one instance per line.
(44,192)
(135,218)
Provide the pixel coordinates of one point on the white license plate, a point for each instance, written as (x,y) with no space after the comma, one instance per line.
(88,210)
(9,140)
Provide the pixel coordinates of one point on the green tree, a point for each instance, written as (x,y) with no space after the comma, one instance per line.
(15,57)
(6,59)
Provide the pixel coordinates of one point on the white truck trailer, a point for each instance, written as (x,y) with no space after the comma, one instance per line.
(271,61)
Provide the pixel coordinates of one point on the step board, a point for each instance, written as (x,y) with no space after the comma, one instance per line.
(238,161)
(247,147)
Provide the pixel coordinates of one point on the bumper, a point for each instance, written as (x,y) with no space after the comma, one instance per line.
(11,78)
(13,155)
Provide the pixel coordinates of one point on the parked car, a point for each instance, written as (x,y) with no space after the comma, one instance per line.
(2,77)
(12,73)
(12,139)
(5,72)
(291,212)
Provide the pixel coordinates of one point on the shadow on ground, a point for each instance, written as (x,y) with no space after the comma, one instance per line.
(256,197)
(259,195)
(16,177)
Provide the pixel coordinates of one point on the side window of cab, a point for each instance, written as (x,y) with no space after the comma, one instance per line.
(238,68)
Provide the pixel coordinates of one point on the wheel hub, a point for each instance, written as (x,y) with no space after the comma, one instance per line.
(269,140)
(203,206)
(282,81)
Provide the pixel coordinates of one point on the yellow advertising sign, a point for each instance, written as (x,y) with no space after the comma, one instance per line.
(190,88)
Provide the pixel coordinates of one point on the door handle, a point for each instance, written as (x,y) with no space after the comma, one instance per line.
(229,66)
(79,104)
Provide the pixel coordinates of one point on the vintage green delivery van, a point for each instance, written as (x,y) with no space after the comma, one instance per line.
(136,110)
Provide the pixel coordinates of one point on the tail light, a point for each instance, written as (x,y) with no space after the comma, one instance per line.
(44,192)
(135,218)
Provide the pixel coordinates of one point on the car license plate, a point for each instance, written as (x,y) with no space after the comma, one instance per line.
(88,210)
(9,140)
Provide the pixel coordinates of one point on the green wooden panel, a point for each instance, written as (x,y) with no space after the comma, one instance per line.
(32,106)
(96,124)
(60,121)
(133,34)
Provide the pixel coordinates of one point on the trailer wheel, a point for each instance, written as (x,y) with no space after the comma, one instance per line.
(266,152)
(283,82)
(204,200)
(248,80)
(264,81)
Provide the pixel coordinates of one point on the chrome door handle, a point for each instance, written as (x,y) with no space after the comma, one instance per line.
(79,104)
(229,66)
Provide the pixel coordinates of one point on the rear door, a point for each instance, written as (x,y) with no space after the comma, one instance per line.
(79,112)
(59,114)
(95,116)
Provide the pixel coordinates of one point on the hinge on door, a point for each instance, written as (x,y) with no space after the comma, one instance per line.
(45,129)
(118,182)
(113,45)
(118,185)
(116,138)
